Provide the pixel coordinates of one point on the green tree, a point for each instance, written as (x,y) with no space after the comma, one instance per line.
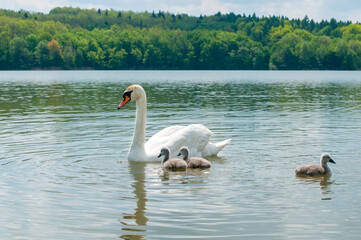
(259,58)
(284,54)
(152,57)
(80,59)
(44,36)
(135,58)
(307,56)
(241,58)
(32,42)
(20,56)
(86,38)
(323,44)
(42,54)
(353,58)
(69,57)
(117,59)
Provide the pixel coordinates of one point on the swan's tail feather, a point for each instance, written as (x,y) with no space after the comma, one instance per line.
(212,149)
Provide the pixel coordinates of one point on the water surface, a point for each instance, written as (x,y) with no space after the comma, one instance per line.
(64,172)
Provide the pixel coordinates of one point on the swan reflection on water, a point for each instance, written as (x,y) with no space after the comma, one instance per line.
(150,177)
(134,224)
(137,170)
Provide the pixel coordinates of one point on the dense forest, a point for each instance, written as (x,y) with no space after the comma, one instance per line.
(74,38)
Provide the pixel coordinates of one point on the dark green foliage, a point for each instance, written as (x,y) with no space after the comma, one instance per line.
(20,56)
(42,57)
(74,38)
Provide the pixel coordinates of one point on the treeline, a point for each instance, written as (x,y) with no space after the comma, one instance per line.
(73,38)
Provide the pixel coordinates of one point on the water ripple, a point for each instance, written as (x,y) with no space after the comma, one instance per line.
(64,172)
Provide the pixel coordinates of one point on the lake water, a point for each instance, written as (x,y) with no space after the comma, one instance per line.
(64,172)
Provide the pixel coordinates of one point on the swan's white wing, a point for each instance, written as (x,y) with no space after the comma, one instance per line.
(195,137)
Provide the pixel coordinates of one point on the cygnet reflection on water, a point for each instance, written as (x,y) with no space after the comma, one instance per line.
(324,182)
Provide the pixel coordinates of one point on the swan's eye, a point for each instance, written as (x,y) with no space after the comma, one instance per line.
(128,93)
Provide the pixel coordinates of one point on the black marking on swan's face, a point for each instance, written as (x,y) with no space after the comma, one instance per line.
(127,96)
(127,93)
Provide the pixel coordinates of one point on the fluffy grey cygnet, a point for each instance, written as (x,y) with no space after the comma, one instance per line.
(315,169)
(171,163)
(193,162)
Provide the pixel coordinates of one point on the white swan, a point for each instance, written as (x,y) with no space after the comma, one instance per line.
(315,169)
(196,136)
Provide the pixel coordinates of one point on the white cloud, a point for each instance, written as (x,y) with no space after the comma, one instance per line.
(205,7)
(46,5)
(353,16)
(294,9)
(30,5)
(314,9)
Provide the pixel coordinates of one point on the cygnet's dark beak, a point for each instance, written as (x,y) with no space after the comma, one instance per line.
(179,154)
(159,155)
(332,161)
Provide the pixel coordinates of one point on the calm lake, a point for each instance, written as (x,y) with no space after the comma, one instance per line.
(64,172)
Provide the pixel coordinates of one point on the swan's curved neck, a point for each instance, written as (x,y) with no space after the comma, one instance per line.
(139,128)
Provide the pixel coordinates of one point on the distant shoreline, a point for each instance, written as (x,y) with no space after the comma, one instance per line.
(90,39)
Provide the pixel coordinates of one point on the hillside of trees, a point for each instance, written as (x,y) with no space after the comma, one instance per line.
(74,38)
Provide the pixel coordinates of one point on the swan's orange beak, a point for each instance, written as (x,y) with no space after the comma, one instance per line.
(125,100)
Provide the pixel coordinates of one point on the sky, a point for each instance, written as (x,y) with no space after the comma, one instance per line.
(315,9)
